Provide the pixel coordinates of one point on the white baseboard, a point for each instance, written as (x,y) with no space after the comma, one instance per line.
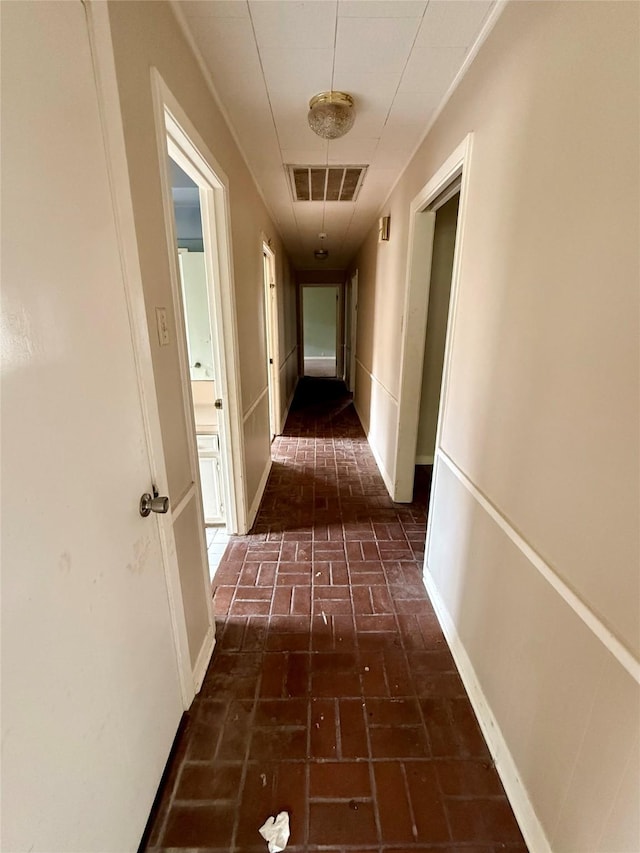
(283,420)
(530,826)
(200,669)
(383,471)
(255,506)
(424,460)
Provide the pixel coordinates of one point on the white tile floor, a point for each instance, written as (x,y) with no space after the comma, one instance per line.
(217,539)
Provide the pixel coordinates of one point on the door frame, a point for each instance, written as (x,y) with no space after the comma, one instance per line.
(339,298)
(353,330)
(99,28)
(416,305)
(272,337)
(175,135)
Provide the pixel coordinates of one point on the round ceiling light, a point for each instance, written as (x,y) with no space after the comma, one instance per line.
(331,114)
(321,254)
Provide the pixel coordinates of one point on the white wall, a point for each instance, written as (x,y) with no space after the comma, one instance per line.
(533,560)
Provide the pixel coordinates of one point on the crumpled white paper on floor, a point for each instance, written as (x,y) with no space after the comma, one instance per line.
(275,832)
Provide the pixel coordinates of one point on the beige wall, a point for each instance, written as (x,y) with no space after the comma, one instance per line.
(534,554)
(146,35)
(444,239)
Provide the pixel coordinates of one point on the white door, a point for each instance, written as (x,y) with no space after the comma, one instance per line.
(91,694)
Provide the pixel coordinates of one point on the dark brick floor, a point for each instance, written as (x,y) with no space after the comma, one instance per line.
(331,693)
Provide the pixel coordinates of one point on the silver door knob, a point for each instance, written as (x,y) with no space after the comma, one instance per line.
(218,403)
(153,503)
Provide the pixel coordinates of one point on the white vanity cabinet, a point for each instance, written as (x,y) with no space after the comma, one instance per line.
(211,478)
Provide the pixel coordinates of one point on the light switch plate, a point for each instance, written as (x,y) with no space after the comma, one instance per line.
(163,326)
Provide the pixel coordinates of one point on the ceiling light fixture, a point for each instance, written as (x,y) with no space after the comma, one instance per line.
(321,254)
(331,114)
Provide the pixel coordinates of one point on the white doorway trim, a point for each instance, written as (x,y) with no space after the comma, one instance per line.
(421,231)
(353,330)
(102,48)
(175,131)
(272,338)
(339,288)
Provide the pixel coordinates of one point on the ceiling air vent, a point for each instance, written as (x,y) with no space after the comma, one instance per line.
(326,183)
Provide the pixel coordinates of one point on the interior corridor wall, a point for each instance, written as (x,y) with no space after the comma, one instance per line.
(146,35)
(533,564)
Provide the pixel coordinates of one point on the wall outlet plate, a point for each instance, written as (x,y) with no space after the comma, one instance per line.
(163,326)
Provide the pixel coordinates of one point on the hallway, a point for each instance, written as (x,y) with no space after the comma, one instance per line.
(331,693)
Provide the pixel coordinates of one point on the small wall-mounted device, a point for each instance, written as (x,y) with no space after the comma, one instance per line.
(163,326)
(384,228)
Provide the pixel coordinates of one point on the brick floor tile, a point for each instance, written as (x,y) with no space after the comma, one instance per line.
(370,551)
(271,787)
(375,622)
(222,599)
(209,825)
(353,734)
(339,573)
(428,808)
(281,712)
(232,635)
(249,608)
(301,601)
(482,819)
(266,574)
(344,632)
(323,592)
(218,781)
(344,822)
(253,593)
(398,742)
(274,670)
(333,780)
(468,730)
(322,731)
(292,579)
(394,810)
(333,605)
(235,732)
(443,738)
(249,574)
(468,777)
(362,603)
(205,730)
(255,634)
(297,676)
(335,684)
(393,712)
(273,744)
(228,572)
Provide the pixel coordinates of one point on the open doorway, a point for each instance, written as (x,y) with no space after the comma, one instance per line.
(320,305)
(429,318)
(444,240)
(200,358)
(271,334)
(196,215)
(350,331)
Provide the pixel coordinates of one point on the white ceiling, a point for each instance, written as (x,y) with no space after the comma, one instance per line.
(267,58)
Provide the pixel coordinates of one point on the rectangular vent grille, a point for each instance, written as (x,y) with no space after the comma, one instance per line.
(326,183)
